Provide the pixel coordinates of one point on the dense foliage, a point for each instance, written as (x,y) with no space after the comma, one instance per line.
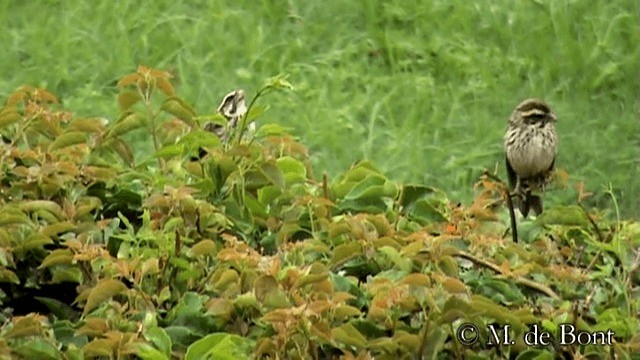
(245,253)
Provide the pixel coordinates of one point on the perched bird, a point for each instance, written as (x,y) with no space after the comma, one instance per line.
(233,107)
(530,146)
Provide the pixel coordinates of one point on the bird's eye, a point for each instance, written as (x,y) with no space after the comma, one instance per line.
(535,118)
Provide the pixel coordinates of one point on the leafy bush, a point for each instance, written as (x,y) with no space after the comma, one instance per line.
(238,251)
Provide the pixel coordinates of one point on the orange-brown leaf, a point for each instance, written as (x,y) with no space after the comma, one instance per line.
(129,80)
(103,291)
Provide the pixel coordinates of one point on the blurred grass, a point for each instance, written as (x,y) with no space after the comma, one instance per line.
(421,88)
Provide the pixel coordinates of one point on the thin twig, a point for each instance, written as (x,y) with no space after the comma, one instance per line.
(593,261)
(512,214)
(423,340)
(325,185)
(600,238)
(518,279)
(593,223)
(243,118)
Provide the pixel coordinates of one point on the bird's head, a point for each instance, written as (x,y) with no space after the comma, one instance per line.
(533,112)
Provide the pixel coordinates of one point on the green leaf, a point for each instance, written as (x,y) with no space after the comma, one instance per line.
(220,346)
(121,148)
(65,332)
(199,138)
(37,348)
(50,206)
(273,174)
(148,352)
(278,82)
(68,139)
(310,279)
(371,187)
(503,291)
(255,112)
(412,193)
(239,215)
(66,273)
(90,125)
(272,130)
(103,291)
(434,341)
(255,207)
(96,348)
(7,219)
(181,335)
(384,345)
(246,301)
(294,171)
(57,257)
(8,276)
(58,308)
(57,228)
(455,308)
(128,122)
(615,319)
(563,215)
(423,204)
(368,328)
(180,263)
(401,262)
(191,313)
(170,151)
(268,194)
(353,176)
(344,252)
(173,223)
(8,116)
(347,334)
(500,313)
(127,99)
(160,339)
(342,312)
(180,109)
(203,247)
(368,195)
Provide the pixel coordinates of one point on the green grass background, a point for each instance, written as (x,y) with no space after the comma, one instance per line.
(421,88)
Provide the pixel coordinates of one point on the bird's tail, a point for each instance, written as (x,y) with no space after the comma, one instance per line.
(530,201)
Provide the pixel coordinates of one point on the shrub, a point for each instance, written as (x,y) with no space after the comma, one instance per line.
(113,247)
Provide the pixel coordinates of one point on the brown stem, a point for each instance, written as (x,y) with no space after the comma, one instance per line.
(593,223)
(518,279)
(325,186)
(423,341)
(512,214)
